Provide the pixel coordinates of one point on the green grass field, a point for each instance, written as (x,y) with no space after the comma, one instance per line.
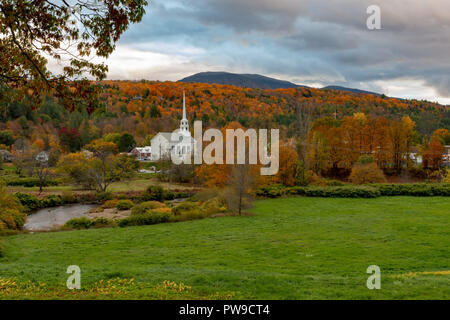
(296,248)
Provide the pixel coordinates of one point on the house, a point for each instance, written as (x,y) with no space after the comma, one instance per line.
(6,155)
(179,143)
(87,154)
(415,155)
(446,154)
(42,157)
(142,154)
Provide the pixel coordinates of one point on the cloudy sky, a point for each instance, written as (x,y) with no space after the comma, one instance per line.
(311,42)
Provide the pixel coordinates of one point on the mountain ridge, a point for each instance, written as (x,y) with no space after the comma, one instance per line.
(253,81)
(257,81)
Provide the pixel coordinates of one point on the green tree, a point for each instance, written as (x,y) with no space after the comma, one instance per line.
(97,173)
(126,143)
(6,138)
(154,112)
(112,137)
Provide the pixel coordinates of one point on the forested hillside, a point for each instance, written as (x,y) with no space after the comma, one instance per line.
(326,120)
(144,108)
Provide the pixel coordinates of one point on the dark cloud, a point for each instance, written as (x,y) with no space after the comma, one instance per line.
(314,40)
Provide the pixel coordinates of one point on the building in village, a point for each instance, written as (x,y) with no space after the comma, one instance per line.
(179,143)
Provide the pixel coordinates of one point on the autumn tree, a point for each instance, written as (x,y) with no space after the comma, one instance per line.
(70,139)
(237,191)
(102,149)
(366,171)
(68,31)
(443,135)
(22,154)
(432,155)
(400,133)
(318,152)
(41,170)
(288,166)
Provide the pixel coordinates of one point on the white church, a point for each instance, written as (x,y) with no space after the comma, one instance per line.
(179,143)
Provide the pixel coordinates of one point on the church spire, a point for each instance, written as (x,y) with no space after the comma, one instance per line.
(184,123)
(184,106)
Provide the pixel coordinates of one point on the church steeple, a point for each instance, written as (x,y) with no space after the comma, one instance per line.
(184,123)
(184,106)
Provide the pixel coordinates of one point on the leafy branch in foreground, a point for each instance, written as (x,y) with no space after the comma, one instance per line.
(70,32)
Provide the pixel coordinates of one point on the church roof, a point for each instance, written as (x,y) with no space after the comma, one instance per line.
(168,137)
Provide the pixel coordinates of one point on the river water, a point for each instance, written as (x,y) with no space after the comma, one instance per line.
(46,219)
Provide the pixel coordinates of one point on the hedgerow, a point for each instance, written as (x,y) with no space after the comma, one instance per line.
(364,191)
(144,219)
(29,182)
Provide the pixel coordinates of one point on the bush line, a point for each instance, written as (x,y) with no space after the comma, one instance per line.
(364,191)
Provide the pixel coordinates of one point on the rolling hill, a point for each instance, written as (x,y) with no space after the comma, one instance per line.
(253,81)
(256,81)
(353,90)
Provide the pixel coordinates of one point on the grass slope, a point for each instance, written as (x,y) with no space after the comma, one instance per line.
(296,248)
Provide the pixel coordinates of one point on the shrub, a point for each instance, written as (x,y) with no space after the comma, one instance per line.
(29,182)
(144,219)
(330,192)
(365,173)
(441,190)
(446,176)
(418,171)
(51,201)
(12,219)
(79,223)
(189,215)
(146,207)
(369,191)
(300,191)
(272,191)
(168,195)
(104,196)
(102,223)
(155,193)
(85,223)
(162,210)
(418,189)
(109,204)
(97,209)
(68,197)
(335,183)
(343,192)
(181,195)
(186,207)
(212,206)
(29,201)
(312,178)
(124,205)
(11,212)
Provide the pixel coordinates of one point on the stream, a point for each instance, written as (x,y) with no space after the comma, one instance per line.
(46,219)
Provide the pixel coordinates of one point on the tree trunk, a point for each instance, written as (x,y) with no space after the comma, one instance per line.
(240,203)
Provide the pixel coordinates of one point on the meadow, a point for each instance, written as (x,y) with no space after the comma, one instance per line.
(287,248)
